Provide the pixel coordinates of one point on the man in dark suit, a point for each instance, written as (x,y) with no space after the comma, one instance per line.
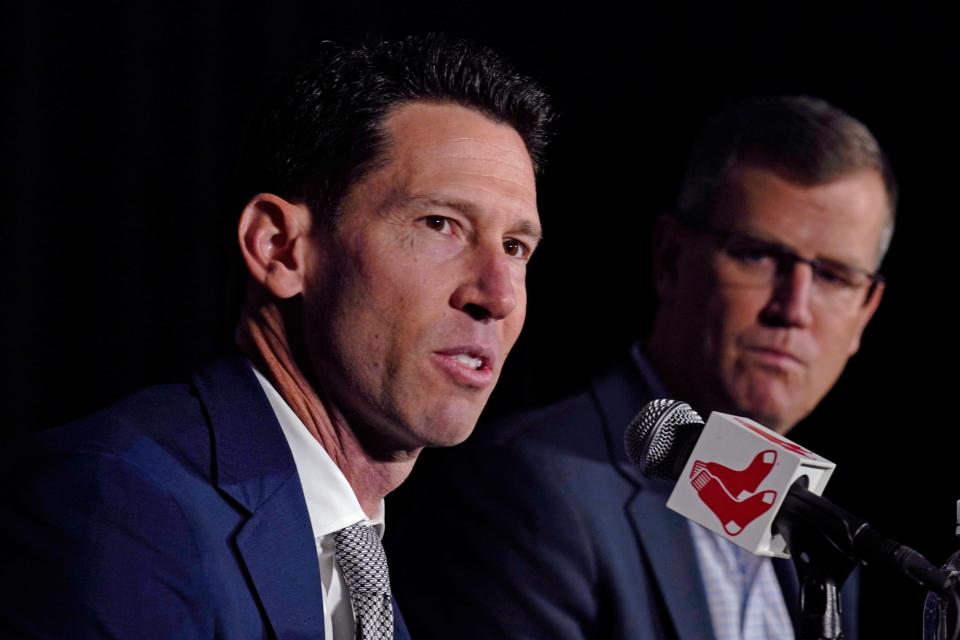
(390,214)
(767,277)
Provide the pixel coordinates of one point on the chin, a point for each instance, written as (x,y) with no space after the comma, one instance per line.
(766,403)
(442,443)
(446,428)
(446,438)
(776,415)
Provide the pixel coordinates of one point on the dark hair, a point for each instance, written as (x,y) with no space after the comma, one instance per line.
(326,131)
(807,139)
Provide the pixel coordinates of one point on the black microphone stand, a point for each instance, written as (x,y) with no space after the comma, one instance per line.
(822,568)
(941,611)
(826,542)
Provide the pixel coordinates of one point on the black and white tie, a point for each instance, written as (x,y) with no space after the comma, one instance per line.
(364,566)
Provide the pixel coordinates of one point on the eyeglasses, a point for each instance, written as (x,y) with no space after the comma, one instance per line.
(751,261)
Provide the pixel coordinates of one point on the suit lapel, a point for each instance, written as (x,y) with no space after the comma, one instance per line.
(253,465)
(400,631)
(662,534)
(666,537)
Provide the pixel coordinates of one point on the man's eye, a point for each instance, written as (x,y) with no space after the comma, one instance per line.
(516,248)
(835,276)
(751,255)
(438,223)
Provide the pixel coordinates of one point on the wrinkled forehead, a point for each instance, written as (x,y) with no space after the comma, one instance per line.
(440,133)
(437,146)
(843,219)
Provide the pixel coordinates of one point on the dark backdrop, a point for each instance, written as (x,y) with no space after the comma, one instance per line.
(121,123)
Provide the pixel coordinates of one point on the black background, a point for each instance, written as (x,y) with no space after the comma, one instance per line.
(121,123)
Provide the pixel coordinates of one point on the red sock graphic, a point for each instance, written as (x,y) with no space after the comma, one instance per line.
(742,481)
(735,515)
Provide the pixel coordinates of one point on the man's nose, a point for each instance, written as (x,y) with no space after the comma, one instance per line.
(791,297)
(488,289)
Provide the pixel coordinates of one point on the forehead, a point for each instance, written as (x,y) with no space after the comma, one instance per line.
(437,146)
(840,220)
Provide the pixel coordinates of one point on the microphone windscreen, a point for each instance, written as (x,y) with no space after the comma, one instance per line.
(658,435)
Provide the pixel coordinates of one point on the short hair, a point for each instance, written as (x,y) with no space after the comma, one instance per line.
(807,139)
(327,130)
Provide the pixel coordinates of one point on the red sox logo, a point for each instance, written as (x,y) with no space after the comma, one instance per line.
(732,494)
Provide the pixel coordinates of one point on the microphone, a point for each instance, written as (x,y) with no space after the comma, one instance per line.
(751,485)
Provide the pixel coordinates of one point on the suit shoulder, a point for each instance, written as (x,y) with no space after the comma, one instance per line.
(151,411)
(106,538)
(151,428)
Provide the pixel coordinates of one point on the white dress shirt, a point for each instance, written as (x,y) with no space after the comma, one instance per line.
(331,504)
(744,597)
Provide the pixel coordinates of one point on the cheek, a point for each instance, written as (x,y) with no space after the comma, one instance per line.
(512,327)
(514,322)
(725,317)
(361,304)
(734,317)
(834,343)
(379,276)
(738,310)
(396,299)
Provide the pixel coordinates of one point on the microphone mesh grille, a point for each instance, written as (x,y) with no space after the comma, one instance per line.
(651,439)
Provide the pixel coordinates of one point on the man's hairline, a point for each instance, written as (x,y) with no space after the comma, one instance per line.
(382,156)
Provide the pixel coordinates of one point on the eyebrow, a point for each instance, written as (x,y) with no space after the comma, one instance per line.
(522,227)
(527,228)
(841,262)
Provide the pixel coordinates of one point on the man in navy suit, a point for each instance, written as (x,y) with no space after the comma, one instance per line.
(390,214)
(767,277)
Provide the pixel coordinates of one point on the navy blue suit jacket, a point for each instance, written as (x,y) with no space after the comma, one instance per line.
(177,513)
(541,528)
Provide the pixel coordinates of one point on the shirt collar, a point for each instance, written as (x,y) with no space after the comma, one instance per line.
(331,502)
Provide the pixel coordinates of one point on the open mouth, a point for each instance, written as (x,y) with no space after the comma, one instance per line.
(474,362)
(470,366)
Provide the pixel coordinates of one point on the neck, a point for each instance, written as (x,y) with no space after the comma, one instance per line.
(372,473)
(676,362)
(665,356)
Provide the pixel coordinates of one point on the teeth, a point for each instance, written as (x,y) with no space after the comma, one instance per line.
(473,363)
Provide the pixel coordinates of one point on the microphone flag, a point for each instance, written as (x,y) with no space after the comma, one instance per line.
(738,475)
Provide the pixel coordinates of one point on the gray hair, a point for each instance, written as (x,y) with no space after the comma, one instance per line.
(807,139)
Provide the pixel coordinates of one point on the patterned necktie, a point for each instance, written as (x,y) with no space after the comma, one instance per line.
(364,567)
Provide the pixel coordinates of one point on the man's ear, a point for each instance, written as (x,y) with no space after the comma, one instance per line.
(273,236)
(667,245)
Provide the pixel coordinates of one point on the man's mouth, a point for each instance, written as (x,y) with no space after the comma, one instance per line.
(468,360)
(471,366)
(777,356)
